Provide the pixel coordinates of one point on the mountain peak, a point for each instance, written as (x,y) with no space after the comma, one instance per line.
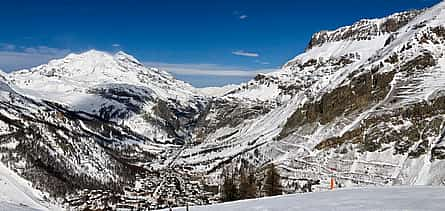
(83,72)
(93,53)
(96,57)
(90,62)
(124,57)
(123,54)
(365,29)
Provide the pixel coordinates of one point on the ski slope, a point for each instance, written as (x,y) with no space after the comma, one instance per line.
(17,193)
(394,198)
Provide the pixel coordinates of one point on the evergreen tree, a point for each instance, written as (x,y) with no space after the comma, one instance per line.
(229,189)
(247,187)
(272,184)
(253,181)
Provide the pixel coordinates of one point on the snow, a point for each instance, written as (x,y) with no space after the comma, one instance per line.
(251,135)
(17,193)
(356,168)
(319,79)
(260,93)
(394,198)
(70,78)
(217,91)
(365,48)
(92,81)
(70,81)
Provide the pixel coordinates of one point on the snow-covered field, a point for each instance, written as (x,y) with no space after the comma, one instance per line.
(393,198)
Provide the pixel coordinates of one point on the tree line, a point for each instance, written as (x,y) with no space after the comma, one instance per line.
(243,184)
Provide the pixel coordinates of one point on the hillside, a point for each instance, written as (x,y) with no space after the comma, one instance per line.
(364,103)
(17,194)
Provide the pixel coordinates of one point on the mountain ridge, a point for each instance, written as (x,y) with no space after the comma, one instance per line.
(369,111)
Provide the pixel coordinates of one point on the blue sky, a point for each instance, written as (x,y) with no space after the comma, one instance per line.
(207,43)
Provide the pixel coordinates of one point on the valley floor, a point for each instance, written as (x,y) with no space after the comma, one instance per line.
(391,198)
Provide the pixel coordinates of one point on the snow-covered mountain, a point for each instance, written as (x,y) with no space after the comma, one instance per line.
(116,88)
(364,103)
(92,121)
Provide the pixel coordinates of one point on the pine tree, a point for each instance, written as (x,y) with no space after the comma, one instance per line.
(253,183)
(272,184)
(229,190)
(247,187)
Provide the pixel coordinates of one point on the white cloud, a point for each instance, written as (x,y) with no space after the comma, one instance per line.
(242,17)
(116,45)
(207,69)
(245,53)
(12,58)
(45,50)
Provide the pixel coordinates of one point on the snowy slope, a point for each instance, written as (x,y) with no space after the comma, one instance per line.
(217,91)
(327,54)
(76,73)
(345,107)
(397,198)
(115,87)
(365,103)
(61,151)
(17,193)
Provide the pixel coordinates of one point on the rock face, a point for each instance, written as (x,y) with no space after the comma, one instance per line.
(364,29)
(364,103)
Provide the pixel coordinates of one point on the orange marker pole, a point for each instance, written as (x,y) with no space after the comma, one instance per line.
(332,183)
